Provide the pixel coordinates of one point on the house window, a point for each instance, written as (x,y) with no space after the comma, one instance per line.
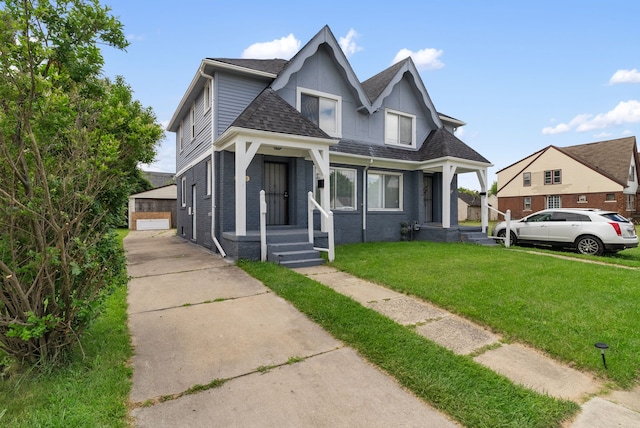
(554,201)
(206,95)
(553,176)
(192,121)
(631,202)
(325,110)
(342,184)
(632,174)
(582,199)
(527,203)
(183,191)
(384,191)
(610,197)
(209,174)
(400,129)
(179,137)
(526,179)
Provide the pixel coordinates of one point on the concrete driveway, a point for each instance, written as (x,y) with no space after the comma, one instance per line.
(195,318)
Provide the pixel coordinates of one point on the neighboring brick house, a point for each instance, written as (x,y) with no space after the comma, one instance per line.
(601,175)
(375,153)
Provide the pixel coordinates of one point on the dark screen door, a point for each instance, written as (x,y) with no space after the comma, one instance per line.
(276,193)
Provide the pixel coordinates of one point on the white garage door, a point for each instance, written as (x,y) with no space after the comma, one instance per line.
(152,224)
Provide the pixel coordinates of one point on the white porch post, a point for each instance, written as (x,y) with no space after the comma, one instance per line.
(448,171)
(484,209)
(321,160)
(245,151)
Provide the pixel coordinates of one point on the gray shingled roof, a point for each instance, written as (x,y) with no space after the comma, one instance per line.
(269,112)
(440,143)
(376,84)
(610,158)
(274,66)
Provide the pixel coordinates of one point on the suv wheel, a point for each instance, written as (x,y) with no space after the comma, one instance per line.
(502,234)
(589,245)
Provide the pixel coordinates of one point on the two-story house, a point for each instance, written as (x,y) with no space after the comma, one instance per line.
(373,154)
(601,175)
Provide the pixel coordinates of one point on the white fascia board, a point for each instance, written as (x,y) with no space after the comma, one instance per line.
(448,119)
(227,139)
(203,156)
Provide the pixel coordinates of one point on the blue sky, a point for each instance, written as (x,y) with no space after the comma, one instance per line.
(522,75)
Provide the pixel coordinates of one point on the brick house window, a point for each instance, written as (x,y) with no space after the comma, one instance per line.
(610,197)
(527,203)
(554,201)
(526,179)
(631,202)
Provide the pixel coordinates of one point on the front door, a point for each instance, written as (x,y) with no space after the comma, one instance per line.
(276,187)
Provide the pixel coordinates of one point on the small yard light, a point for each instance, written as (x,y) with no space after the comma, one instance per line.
(602,346)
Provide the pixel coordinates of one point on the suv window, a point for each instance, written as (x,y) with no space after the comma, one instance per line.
(615,217)
(539,217)
(561,216)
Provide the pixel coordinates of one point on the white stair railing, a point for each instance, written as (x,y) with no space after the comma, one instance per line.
(507,219)
(328,216)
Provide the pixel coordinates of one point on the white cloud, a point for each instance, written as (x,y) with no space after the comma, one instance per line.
(625,76)
(284,48)
(603,135)
(348,43)
(624,112)
(425,59)
(135,37)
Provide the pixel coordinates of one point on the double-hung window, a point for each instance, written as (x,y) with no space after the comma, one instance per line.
(342,189)
(400,129)
(206,97)
(179,137)
(527,203)
(553,176)
(183,191)
(526,179)
(192,120)
(325,110)
(384,191)
(209,177)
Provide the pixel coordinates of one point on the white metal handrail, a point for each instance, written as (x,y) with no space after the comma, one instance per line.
(507,219)
(263,227)
(328,216)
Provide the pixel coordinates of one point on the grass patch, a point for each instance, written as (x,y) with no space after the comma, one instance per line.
(559,306)
(92,390)
(469,392)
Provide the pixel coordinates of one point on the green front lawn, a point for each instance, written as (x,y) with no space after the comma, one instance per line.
(559,306)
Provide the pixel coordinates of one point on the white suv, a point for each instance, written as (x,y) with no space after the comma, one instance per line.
(588,231)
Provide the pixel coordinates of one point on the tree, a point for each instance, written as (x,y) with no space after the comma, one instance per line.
(494,188)
(70,142)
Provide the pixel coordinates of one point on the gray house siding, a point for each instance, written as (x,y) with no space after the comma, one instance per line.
(194,147)
(233,94)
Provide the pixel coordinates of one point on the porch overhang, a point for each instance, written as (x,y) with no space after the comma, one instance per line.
(246,143)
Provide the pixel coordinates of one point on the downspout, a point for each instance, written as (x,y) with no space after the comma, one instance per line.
(213,170)
(364,201)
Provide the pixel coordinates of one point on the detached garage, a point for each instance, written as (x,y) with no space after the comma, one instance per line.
(153,209)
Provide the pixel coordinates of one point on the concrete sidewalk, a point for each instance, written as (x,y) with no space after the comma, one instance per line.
(195,318)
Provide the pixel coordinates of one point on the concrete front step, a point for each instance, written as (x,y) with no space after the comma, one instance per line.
(477,238)
(294,254)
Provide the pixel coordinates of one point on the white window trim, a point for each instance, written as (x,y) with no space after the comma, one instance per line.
(183,191)
(400,190)
(192,121)
(525,208)
(206,97)
(413,128)
(355,189)
(337,98)
(179,136)
(209,174)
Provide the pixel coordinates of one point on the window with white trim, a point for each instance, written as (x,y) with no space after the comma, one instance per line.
(209,176)
(632,174)
(526,179)
(183,191)
(342,185)
(179,137)
(206,96)
(400,129)
(192,120)
(325,110)
(527,203)
(554,201)
(631,202)
(384,191)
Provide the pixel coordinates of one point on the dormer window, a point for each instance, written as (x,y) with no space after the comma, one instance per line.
(400,129)
(325,110)
(632,174)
